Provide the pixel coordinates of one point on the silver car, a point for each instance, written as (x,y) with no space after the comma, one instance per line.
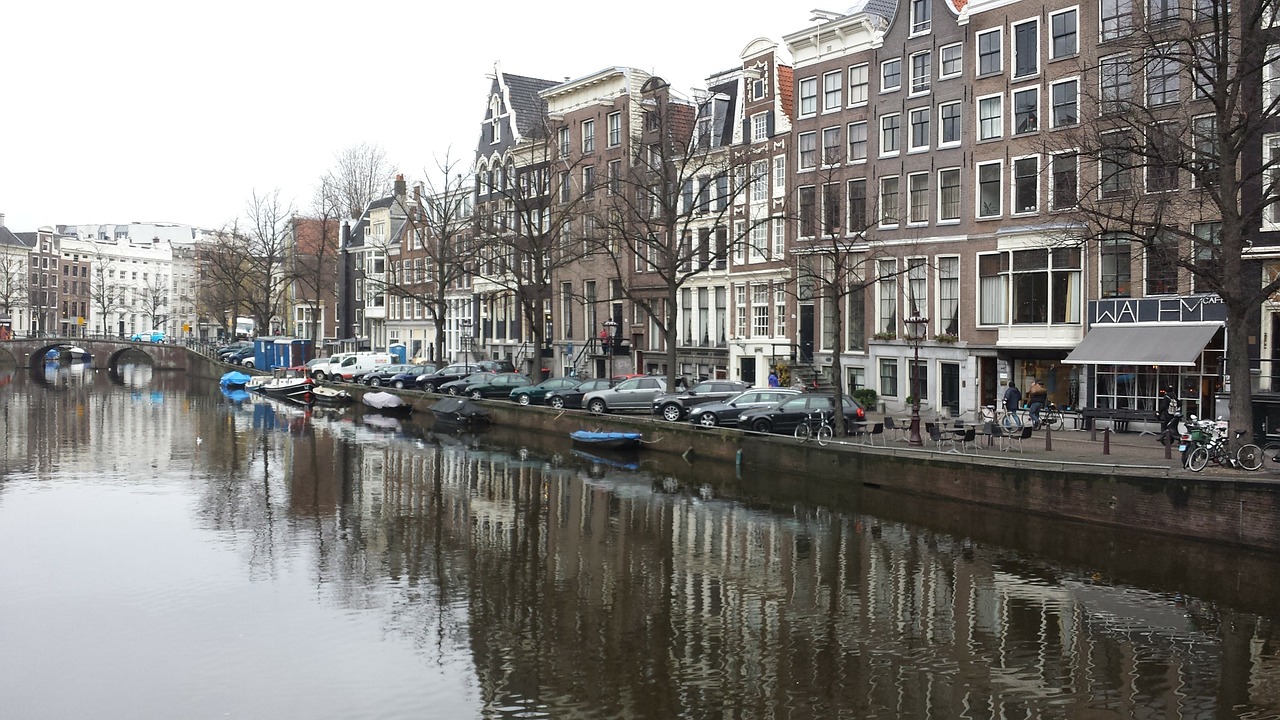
(632,395)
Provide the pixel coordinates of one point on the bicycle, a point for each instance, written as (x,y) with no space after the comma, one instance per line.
(1271,457)
(1051,417)
(814,425)
(1248,456)
(1010,420)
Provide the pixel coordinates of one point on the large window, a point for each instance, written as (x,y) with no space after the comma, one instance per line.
(890,127)
(1116,18)
(1026,182)
(989,190)
(918,198)
(1204,138)
(808,96)
(1163,157)
(1063,30)
(948,321)
(1115,83)
(949,124)
(1038,286)
(1162,75)
(921,72)
(889,200)
(1162,265)
(832,85)
(1026,48)
(760,310)
(808,211)
(990,117)
(857,141)
(949,195)
(887,296)
(891,75)
(857,84)
(917,287)
(1114,266)
(989,52)
(857,214)
(1116,154)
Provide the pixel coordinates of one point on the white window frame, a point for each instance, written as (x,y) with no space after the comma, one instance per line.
(977,195)
(1053,114)
(1013,49)
(883,135)
(760,127)
(1053,174)
(920,83)
(807,85)
(1075,32)
(912,179)
(997,118)
(859,91)
(977,55)
(883,66)
(943,60)
(613,129)
(779,175)
(1014,209)
(911,129)
(800,154)
(942,141)
(849,138)
(1016,129)
(921,26)
(836,148)
(832,91)
(959,204)
(882,218)
(588,137)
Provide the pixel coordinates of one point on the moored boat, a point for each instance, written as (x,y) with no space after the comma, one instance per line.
(459,412)
(288,384)
(234,379)
(325,395)
(607,440)
(386,402)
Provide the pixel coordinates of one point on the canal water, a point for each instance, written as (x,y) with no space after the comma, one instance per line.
(168,551)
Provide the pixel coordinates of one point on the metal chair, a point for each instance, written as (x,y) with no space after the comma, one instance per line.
(1020,437)
(902,431)
(969,438)
(939,439)
(999,437)
(869,434)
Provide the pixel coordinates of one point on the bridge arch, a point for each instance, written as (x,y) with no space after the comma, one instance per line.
(105,354)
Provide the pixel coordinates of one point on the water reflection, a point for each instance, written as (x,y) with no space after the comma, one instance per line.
(546,583)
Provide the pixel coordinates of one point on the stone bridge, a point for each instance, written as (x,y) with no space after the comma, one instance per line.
(106,353)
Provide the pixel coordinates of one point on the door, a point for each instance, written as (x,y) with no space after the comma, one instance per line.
(988,380)
(748,370)
(806,334)
(949,382)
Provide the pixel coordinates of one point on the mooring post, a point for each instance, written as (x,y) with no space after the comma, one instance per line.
(1048,438)
(1106,441)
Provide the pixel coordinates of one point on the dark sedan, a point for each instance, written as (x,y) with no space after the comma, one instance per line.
(675,406)
(572,397)
(499,385)
(537,394)
(459,386)
(409,377)
(784,416)
(380,375)
(431,382)
(726,413)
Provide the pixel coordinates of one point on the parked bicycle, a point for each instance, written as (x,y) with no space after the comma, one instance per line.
(1051,417)
(1009,420)
(1271,457)
(1218,450)
(814,425)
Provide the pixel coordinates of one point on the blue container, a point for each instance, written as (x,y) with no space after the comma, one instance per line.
(400,353)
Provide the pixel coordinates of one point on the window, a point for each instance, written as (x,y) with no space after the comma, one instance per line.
(1204,139)
(1162,265)
(989,189)
(1271,156)
(1162,76)
(808,96)
(759,181)
(949,195)
(889,200)
(1026,48)
(1065,179)
(808,212)
(780,175)
(1045,286)
(857,141)
(921,11)
(993,288)
(1271,79)
(918,198)
(760,87)
(807,144)
(779,238)
(1116,87)
(948,124)
(614,124)
(1062,30)
(831,207)
(832,84)
(831,145)
(890,75)
(588,136)
(779,312)
(1204,69)
(588,181)
(760,309)
(1114,266)
(921,72)
(615,180)
(1208,245)
(920,129)
(951,61)
(1026,110)
(1116,19)
(759,241)
(917,286)
(889,128)
(1116,155)
(1161,10)
(887,288)
(759,127)
(948,321)
(1163,157)
(858,84)
(990,117)
(1064,95)
(564,146)
(857,205)
(889,377)
(1026,191)
(989,52)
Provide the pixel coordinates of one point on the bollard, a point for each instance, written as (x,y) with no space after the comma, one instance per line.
(1048,439)
(1106,441)
(1168,445)
(1093,430)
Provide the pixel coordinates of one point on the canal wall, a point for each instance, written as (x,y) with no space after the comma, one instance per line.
(1241,511)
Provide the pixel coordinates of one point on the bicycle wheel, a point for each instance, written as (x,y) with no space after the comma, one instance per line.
(1199,458)
(1011,421)
(1053,420)
(1249,456)
(1271,457)
(824,434)
(802,432)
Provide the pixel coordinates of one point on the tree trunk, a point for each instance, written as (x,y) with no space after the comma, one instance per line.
(673,328)
(837,379)
(1239,328)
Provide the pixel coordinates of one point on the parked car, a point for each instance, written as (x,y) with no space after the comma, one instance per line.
(381,375)
(783,417)
(633,395)
(238,357)
(572,397)
(236,346)
(154,336)
(499,385)
(497,366)
(676,406)
(409,378)
(537,394)
(431,382)
(725,413)
(459,386)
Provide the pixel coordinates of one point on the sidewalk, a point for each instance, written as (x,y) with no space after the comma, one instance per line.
(1132,449)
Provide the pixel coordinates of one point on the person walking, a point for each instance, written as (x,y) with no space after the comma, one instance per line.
(773,378)
(1037,396)
(1167,411)
(1012,399)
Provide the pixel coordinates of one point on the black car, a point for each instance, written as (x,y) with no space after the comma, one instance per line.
(431,382)
(238,357)
(409,378)
(726,412)
(784,416)
(572,397)
(676,406)
(496,366)
(234,347)
(459,386)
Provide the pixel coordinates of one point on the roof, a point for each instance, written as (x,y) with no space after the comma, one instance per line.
(8,237)
(523,99)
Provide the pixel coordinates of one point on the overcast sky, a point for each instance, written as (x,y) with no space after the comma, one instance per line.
(141,111)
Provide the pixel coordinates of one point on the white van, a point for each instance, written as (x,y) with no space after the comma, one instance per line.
(360,362)
(325,370)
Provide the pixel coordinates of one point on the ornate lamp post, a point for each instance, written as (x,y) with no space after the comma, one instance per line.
(610,327)
(466,341)
(916,328)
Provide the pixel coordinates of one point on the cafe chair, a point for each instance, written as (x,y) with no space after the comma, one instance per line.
(1020,437)
(870,433)
(939,439)
(998,436)
(902,432)
(969,438)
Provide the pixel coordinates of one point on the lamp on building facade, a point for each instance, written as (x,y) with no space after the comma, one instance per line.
(466,341)
(917,326)
(610,342)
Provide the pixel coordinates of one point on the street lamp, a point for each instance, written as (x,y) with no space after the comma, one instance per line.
(916,328)
(610,327)
(466,341)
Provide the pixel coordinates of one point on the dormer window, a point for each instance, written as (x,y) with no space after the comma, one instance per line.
(495,118)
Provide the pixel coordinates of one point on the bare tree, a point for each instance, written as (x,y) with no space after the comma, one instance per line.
(668,214)
(362,175)
(267,231)
(105,293)
(154,294)
(13,282)
(224,277)
(1175,166)
(314,259)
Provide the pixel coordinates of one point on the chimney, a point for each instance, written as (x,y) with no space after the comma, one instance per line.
(1,220)
(400,189)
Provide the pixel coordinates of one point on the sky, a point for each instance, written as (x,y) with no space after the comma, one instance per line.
(141,111)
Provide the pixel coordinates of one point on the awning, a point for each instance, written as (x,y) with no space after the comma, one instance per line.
(1177,344)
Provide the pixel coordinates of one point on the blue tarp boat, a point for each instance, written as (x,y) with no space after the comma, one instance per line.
(234,379)
(607,440)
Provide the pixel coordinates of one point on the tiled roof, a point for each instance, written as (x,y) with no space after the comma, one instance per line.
(786,89)
(528,106)
(8,237)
